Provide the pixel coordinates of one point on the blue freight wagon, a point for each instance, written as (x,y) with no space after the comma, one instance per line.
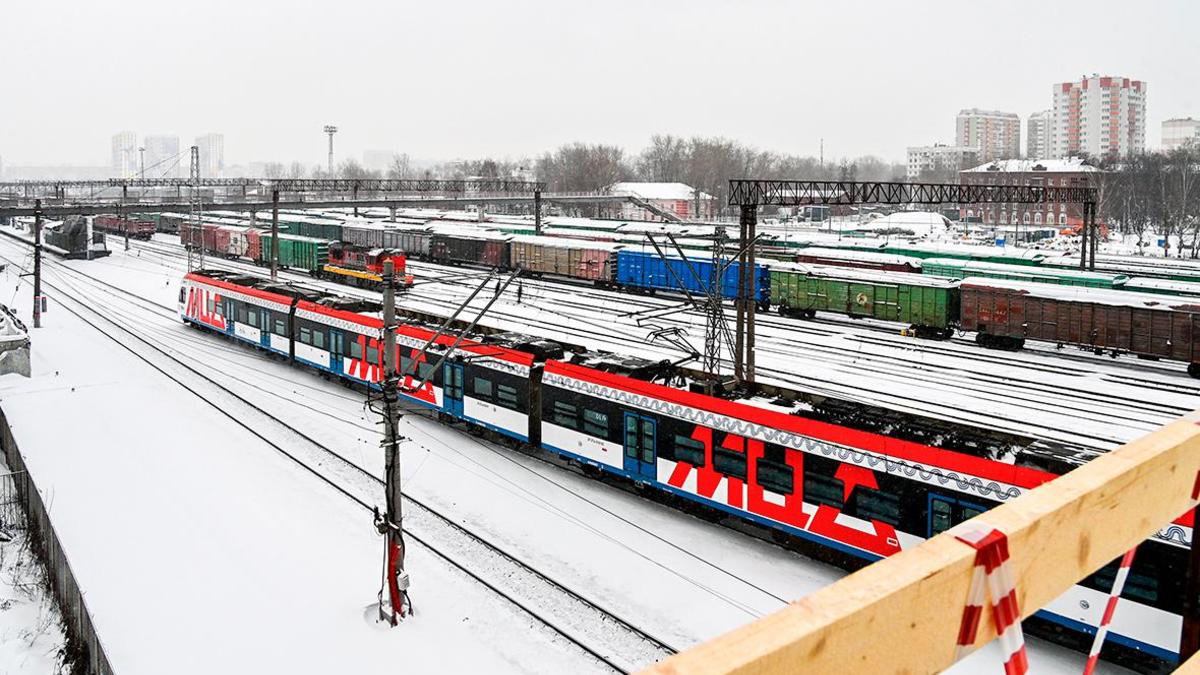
(648,271)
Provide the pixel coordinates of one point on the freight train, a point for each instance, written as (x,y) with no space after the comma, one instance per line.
(136,228)
(843,494)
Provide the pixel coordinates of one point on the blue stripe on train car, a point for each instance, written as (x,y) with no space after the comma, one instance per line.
(641,269)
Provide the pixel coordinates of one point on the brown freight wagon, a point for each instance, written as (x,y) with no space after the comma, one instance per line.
(1004,313)
(588,260)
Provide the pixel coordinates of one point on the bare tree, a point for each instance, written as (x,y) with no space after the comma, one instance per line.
(296,170)
(580,167)
(350,168)
(273,170)
(400,167)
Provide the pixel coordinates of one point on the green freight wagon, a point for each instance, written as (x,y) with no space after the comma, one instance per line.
(928,304)
(296,252)
(954,268)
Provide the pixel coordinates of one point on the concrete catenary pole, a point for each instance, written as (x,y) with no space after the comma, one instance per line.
(397,578)
(274,234)
(37,263)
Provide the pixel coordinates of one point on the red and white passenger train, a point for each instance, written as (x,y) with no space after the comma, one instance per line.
(856,494)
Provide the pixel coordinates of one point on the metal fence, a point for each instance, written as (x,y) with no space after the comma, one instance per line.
(23,492)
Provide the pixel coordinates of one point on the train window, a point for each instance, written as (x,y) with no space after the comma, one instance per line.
(425,371)
(689,450)
(305,335)
(566,415)
(318,339)
(373,355)
(595,423)
(729,462)
(252,317)
(482,388)
(939,515)
(1140,586)
(280,327)
(775,476)
(507,396)
(208,302)
(335,342)
(876,505)
(819,489)
(356,350)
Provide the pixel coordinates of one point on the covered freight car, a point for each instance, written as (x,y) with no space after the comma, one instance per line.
(295,252)
(647,271)
(1005,313)
(593,261)
(929,305)
(861,259)
(955,268)
(471,249)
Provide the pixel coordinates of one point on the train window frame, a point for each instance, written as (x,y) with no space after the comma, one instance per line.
(771,483)
(356,350)
(305,335)
(818,487)
(477,391)
(595,423)
(862,496)
(507,396)
(252,318)
(725,459)
(280,327)
(318,339)
(559,414)
(687,449)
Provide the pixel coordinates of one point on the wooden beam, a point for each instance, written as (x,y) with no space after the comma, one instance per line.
(902,614)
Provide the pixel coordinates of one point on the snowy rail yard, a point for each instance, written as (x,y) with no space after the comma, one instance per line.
(288,548)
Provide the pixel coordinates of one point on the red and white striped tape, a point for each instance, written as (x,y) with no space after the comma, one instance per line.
(1109,609)
(993,573)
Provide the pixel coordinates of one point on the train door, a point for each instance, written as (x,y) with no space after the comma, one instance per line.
(946,512)
(337,346)
(452,389)
(641,452)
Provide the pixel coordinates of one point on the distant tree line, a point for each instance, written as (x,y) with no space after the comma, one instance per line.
(704,163)
(1154,193)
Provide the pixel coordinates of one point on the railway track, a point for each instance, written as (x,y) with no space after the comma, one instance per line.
(572,616)
(1034,397)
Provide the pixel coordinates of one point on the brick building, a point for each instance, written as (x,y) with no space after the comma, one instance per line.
(1049,172)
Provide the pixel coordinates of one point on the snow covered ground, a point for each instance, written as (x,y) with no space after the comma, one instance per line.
(194,537)
(31,630)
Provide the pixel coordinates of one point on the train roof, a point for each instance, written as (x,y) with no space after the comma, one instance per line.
(864,256)
(986,266)
(1164,285)
(1099,296)
(864,275)
(561,242)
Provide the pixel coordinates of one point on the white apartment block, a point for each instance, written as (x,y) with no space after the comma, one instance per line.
(1039,135)
(212,155)
(1179,132)
(996,134)
(124,163)
(940,158)
(1099,116)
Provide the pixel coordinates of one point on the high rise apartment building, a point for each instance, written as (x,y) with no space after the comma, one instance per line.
(1100,117)
(996,134)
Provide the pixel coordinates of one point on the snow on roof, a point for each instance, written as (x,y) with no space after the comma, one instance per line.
(865,255)
(559,242)
(920,222)
(675,191)
(857,274)
(968,266)
(1171,285)
(1099,296)
(1032,165)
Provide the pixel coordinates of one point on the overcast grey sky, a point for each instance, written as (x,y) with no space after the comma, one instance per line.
(507,78)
